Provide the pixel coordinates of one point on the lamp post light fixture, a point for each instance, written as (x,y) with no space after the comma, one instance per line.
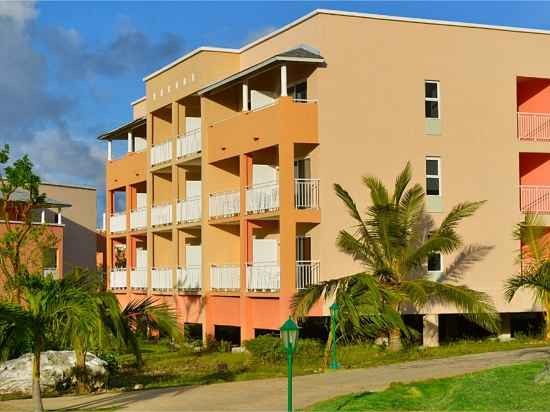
(289,336)
(333,315)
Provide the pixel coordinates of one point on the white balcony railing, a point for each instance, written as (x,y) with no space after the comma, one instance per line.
(138,218)
(263,277)
(189,278)
(224,204)
(161,279)
(225,277)
(138,279)
(161,153)
(161,215)
(535,199)
(117,222)
(190,143)
(118,279)
(534,126)
(262,198)
(189,210)
(307,273)
(49,272)
(306,193)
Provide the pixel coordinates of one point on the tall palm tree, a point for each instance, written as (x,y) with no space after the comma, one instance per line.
(48,304)
(534,260)
(393,242)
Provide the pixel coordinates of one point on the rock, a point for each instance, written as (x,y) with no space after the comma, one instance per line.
(138,387)
(55,368)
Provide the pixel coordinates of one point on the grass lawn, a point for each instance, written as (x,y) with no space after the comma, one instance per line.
(508,388)
(164,367)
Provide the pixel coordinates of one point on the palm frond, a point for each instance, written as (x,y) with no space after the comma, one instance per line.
(536,278)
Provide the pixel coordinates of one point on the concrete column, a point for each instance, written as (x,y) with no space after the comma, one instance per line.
(245,96)
(59,220)
(43,218)
(109,150)
(130,142)
(505,327)
(283,80)
(149,183)
(430,333)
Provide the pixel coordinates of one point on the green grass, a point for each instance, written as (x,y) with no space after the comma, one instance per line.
(508,388)
(164,367)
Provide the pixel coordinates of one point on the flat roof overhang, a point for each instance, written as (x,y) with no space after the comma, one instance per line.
(121,132)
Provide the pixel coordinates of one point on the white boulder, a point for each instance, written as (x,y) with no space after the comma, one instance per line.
(55,367)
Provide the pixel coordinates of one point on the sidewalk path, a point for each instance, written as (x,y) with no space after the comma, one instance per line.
(270,394)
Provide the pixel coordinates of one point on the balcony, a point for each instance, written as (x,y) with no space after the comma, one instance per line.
(161,153)
(534,127)
(138,218)
(130,169)
(306,193)
(189,144)
(117,222)
(118,280)
(223,205)
(161,215)
(263,277)
(262,198)
(535,199)
(307,273)
(188,211)
(189,279)
(161,280)
(225,278)
(138,279)
(284,120)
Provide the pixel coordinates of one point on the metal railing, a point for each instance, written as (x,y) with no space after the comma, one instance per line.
(263,277)
(307,273)
(225,204)
(189,278)
(535,199)
(138,218)
(225,277)
(306,193)
(161,215)
(138,279)
(189,143)
(263,197)
(117,222)
(161,279)
(534,126)
(189,210)
(161,153)
(118,279)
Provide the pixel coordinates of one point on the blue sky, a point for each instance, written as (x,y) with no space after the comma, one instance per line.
(70,69)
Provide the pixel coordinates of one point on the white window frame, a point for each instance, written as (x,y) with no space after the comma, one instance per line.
(433,99)
(436,272)
(438,176)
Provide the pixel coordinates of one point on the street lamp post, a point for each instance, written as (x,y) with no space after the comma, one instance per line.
(289,336)
(333,315)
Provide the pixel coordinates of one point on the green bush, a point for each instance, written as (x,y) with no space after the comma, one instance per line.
(267,348)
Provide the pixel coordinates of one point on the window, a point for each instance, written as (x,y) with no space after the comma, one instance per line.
(435,264)
(298,91)
(49,258)
(432,97)
(433,176)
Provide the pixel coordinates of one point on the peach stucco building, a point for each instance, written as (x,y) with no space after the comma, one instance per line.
(223,204)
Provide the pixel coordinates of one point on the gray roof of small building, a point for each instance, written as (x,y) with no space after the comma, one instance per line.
(22,195)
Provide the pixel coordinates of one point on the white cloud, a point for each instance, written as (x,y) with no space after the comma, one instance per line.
(18,11)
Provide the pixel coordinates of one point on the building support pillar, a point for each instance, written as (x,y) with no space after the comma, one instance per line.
(505,327)
(430,332)
(109,150)
(130,142)
(283,80)
(245,96)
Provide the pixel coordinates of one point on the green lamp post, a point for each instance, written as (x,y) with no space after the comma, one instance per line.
(289,336)
(333,315)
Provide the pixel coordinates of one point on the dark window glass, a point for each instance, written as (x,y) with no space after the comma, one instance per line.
(434,262)
(431,90)
(298,91)
(432,167)
(49,258)
(432,109)
(432,186)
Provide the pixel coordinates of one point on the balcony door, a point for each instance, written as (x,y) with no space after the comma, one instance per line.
(264,251)
(141,257)
(303,248)
(193,256)
(302,169)
(261,98)
(192,123)
(263,174)
(141,200)
(193,189)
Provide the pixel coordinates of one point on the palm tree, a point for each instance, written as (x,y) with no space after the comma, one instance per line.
(534,259)
(393,243)
(48,304)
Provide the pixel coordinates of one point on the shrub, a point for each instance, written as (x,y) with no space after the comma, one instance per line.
(113,365)
(267,348)
(224,346)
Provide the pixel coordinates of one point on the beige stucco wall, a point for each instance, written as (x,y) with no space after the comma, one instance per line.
(79,240)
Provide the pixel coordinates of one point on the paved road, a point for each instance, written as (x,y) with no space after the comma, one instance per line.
(270,394)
